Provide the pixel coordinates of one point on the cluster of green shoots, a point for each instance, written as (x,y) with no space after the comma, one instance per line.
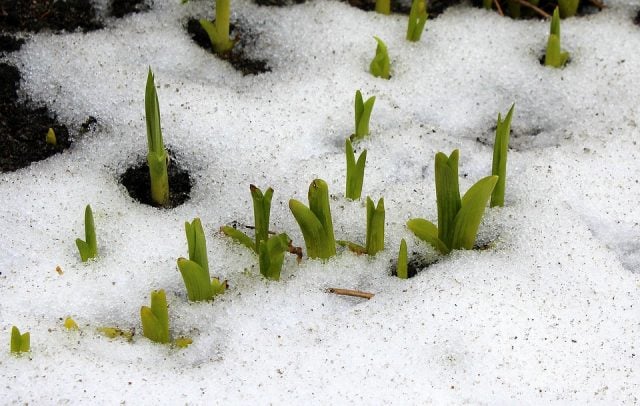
(270,249)
(19,342)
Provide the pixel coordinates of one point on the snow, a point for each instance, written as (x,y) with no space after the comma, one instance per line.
(548,314)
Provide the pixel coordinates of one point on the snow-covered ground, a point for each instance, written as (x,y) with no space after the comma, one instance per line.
(550,313)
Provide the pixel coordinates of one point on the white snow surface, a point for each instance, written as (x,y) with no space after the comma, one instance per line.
(549,313)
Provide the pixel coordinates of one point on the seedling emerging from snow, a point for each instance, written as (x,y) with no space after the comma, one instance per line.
(195,270)
(458,219)
(271,255)
(270,250)
(155,319)
(568,8)
(499,165)
(375,230)
(157,157)
(380,66)
(51,137)
(383,6)
(70,324)
(89,248)
(218,31)
(355,172)
(19,342)
(315,221)
(554,56)
(402,268)
(363,114)
(417,19)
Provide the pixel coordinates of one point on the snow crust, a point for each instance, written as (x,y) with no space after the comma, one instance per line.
(548,314)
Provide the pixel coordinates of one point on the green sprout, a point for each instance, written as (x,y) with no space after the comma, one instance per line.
(554,56)
(568,8)
(383,6)
(380,65)
(515,9)
(315,221)
(402,268)
(499,165)
(458,219)
(195,270)
(19,342)
(51,137)
(486,4)
(155,319)
(355,172)
(89,248)
(218,31)
(157,157)
(270,250)
(363,115)
(374,241)
(417,19)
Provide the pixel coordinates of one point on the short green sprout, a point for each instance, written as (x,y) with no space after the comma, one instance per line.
(218,31)
(417,20)
(270,250)
(458,219)
(363,115)
(380,66)
(51,137)
(70,324)
(355,172)
(195,270)
(499,165)
(315,221)
(554,56)
(383,6)
(155,319)
(115,332)
(486,4)
(157,157)
(89,248)
(402,268)
(568,8)
(374,241)
(19,342)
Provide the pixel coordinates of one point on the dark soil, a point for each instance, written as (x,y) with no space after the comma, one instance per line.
(416,263)
(278,3)
(9,43)
(636,20)
(23,127)
(36,15)
(136,180)
(434,7)
(585,7)
(121,8)
(236,57)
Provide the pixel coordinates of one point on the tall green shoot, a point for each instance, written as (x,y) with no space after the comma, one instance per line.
(315,221)
(195,270)
(499,164)
(554,55)
(355,172)
(417,20)
(89,248)
(383,7)
(271,255)
(155,319)
(157,157)
(362,115)
(374,241)
(218,31)
(402,268)
(20,342)
(458,219)
(380,66)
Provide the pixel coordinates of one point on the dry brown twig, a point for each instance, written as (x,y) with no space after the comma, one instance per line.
(349,292)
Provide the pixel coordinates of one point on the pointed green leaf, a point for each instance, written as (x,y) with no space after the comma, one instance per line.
(468,219)
(358,108)
(155,319)
(568,8)
(272,256)
(355,172)
(447,194)
(380,65)
(312,230)
(196,280)
(362,125)
(157,156)
(319,204)
(239,236)
(197,244)
(383,7)
(375,226)
(417,20)
(261,213)
(402,269)
(499,163)
(428,232)
(554,29)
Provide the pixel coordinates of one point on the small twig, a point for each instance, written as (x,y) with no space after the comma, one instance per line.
(598,4)
(295,250)
(498,7)
(349,292)
(534,8)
